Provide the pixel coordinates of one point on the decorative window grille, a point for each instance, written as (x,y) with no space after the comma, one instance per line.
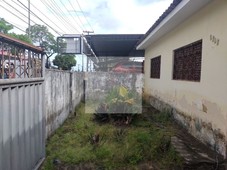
(155,67)
(187,62)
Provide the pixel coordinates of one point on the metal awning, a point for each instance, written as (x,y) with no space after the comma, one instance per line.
(115,45)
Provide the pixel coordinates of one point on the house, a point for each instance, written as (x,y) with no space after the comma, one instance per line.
(186,67)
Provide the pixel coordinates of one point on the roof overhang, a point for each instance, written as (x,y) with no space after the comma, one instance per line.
(115,45)
(19,43)
(180,13)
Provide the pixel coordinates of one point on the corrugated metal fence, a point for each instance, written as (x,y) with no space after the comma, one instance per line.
(22,123)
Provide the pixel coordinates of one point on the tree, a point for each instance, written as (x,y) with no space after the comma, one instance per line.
(22,37)
(64,62)
(41,36)
(5,27)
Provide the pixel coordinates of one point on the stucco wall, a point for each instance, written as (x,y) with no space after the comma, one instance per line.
(200,106)
(98,84)
(77,88)
(63,91)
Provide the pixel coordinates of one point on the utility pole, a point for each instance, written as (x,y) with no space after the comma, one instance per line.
(88,32)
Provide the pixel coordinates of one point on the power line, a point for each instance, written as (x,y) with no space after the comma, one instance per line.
(13,14)
(16,26)
(76,15)
(47,17)
(40,18)
(84,15)
(55,8)
(16,10)
(21,5)
(52,11)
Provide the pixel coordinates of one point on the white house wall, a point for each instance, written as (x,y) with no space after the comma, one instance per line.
(199,106)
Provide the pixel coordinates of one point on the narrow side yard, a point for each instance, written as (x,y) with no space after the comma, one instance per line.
(82,143)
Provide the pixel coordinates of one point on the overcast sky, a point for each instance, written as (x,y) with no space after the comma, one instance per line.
(100,16)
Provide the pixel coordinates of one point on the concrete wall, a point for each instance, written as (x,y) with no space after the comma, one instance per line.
(200,106)
(98,84)
(63,92)
(77,89)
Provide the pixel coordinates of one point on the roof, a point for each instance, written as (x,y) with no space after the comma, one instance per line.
(115,45)
(177,12)
(19,43)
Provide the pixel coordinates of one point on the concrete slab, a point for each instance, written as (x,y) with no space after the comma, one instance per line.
(196,155)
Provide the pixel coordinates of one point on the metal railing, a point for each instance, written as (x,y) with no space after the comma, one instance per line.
(19,59)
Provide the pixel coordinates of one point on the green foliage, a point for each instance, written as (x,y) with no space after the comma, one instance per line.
(119,135)
(40,35)
(5,27)
(162,117)
(118,148)
(120,105)
(123,100)
(21,37)
(64,62)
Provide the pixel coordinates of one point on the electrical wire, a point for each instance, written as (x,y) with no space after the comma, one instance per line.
(55,10)
(52,5)
(52,8)
(72,16)
(17,10)
(47,17)
(21,5)
(62,14)
(13,14)
(40,19)
(58,17)
(16,26)
(84,15)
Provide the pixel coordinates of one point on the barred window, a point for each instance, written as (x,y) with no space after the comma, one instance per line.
(155,67)
(187,62)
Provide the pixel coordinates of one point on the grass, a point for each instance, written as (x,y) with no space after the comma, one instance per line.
(124,147)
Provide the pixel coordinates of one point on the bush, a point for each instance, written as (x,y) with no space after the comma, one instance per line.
(120,106)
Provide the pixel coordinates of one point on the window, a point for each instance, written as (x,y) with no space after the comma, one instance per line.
(155,67)
(187,62)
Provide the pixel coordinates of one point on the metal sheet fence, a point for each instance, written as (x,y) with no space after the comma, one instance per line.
(22,124)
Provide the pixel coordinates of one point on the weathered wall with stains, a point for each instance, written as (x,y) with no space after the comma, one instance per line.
(77,88)
(63,91)
(200,106)
(99,83)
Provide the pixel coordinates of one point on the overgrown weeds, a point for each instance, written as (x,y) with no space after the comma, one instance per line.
(82,143)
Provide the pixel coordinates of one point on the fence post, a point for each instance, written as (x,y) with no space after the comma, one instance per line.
(71,93)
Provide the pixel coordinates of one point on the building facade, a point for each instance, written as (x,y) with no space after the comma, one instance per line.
(186,67)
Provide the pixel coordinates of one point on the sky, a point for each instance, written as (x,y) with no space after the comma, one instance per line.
(76,16)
